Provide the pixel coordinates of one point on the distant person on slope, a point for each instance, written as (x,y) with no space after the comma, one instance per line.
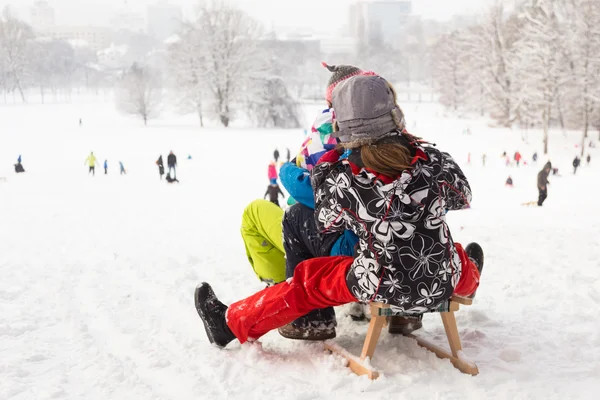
(91,162)
(18,166)
(589,158)
(273,191)
(172,164)
(276,155)
(161,166)
(518,158)
(542,183)
(272,173)
(105,167)
(576,164)
(122,168)
(534,158)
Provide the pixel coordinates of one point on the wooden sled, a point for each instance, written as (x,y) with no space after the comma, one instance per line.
(379,314)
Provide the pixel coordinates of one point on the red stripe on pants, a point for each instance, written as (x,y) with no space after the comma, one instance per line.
(469,278)
(317,283)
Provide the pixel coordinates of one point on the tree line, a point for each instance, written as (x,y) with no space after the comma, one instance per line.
(536,65)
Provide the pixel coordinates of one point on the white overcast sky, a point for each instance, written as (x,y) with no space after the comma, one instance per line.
(318,14)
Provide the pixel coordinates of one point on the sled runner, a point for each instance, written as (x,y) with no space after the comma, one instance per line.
(379,314)
(530,203)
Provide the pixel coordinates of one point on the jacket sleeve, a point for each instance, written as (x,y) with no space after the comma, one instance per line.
(455,187)
(332,183)
(296,181)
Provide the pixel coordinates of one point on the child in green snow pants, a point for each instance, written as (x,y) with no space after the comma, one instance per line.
(263,240)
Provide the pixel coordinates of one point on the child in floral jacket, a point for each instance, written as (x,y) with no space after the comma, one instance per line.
(393,194)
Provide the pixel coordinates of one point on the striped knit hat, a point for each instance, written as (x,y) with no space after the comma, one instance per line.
(341,73)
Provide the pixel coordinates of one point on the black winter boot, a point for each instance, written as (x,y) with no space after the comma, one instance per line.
(212,312)
(475,253)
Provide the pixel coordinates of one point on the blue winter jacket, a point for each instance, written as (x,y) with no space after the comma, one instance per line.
(296,181)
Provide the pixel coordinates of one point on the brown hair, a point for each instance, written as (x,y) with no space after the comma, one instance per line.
(389,159)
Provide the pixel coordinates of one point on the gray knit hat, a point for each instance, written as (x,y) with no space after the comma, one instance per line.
(365,110)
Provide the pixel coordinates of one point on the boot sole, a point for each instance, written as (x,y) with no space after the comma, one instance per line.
(309,338)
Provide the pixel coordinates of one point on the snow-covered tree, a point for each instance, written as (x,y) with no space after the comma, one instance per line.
(269,103)
(491,55)
(140,93)
(227,45)
(53,65)
(542,58)
(15,37)
(583,47)
(187,69)
(450,70)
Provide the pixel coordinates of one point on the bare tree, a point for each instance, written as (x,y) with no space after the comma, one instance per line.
(542,57)
(450,70)
(140,93)
(582,51)
(492,56)
(15,37)
(187,68)
(228,50)
(269,102)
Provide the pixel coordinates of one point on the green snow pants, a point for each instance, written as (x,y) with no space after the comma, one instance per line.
(263,240)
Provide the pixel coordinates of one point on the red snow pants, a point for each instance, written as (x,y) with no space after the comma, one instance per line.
(317,283)
(469,277)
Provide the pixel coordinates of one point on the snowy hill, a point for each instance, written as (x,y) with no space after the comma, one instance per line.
(97,273)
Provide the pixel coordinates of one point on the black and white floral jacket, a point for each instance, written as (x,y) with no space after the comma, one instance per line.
(405,256)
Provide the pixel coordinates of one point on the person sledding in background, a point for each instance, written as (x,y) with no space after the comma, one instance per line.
(273,191)
(272,173)
(393,193)
(19,166)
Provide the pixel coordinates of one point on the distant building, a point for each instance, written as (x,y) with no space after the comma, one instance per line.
(379,22)
(164,20)
(299,44)
(42,15)
(96,38)
(128,21)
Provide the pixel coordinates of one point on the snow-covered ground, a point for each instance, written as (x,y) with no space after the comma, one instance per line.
(97,273)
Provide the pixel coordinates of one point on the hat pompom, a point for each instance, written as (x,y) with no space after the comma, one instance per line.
(330,68)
